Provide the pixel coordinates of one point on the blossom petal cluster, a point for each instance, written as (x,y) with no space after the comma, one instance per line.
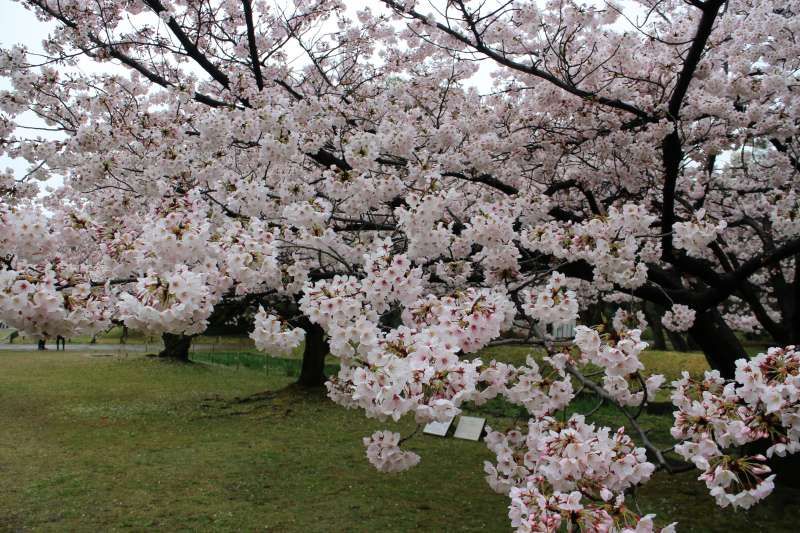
(678,318)
(384,453)
(716,417)
(273,337)
(180,302)
(552,304)
(562,472)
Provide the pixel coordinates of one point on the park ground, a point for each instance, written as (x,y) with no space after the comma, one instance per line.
(123,442)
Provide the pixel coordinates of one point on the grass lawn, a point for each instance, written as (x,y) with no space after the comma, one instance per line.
(101,443)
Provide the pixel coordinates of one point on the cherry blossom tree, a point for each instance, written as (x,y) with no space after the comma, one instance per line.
(340,174)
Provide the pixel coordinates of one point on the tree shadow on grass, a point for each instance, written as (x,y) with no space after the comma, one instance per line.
(265,404)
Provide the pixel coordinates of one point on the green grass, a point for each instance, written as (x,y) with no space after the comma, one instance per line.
(102,443)
(271,366)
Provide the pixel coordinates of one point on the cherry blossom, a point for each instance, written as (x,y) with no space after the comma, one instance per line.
(678,318)
(355,167)
(274,338)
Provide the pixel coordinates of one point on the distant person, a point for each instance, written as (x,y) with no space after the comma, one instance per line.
(41,345)
(62,341)
(13,335)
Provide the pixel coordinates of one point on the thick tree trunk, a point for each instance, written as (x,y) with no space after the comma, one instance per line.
(691,344)
(312,373)
(176,347)
(794,305)
(654,319)
(677,341)
(719,344)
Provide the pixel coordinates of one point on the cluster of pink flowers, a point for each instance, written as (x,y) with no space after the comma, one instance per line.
(609,244)
(428,226)
(620,363)
(567,473)
(554,303)
(541,390)
(759,408)
(24,231)
(678,318)
(624,320)
(384,453)
(273,337)
(695,236)
(42,307)
(177,303)
(390,278)
(251,257)
(785,214)
(468,319)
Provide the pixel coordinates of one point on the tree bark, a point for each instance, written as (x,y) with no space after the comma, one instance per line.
(653,318)
(677,341)
(312,373)
(794,305)
(719,344)
(176,347)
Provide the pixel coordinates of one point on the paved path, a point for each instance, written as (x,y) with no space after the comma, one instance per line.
(51,346)
(118,348)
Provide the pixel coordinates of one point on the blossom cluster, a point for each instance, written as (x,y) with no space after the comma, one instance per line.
(38,306)
(609,244)
(695,236)
(274,338)
(759,409)
(624,320)
(390,278)
(567,472)
(554,303)
(678,318)
(620,363)
(385,454)
(178,303)
(541,389)
(468,318)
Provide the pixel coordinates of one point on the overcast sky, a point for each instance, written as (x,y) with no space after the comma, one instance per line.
(18,25)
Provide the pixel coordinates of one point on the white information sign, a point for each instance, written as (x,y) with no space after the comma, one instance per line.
(470,428)
(439,429)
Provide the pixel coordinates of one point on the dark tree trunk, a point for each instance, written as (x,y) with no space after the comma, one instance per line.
(176,347)
(719,344)
(794,305)
(312,373)
(691,344)
(653,318)
(677,341)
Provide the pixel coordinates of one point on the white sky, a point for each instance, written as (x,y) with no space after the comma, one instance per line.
(19,26)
